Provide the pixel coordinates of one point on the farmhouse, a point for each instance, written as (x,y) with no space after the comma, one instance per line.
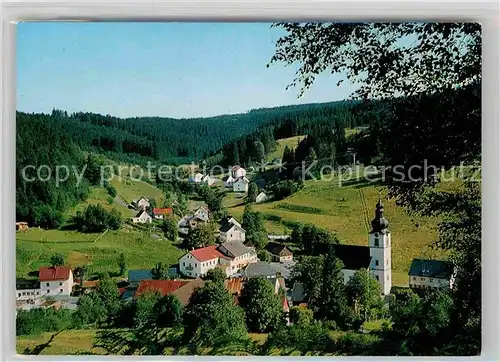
(231,232)
(161,213)
(261,197)
(142,203)
(241,185)
(430,274)
(237,172)
(202,213)
(279,252)
(230,256)
(55,281)
(142,217)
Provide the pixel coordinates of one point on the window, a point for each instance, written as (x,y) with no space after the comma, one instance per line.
(431,280)
(376,242)
(184,264)
(195,265)
(47,292)
(414,279)
(47,284)
(60,283)
(376,262)
(18,294)
(376,277)
(387,262)
(61,290)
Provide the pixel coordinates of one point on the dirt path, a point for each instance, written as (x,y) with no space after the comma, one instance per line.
(365,209)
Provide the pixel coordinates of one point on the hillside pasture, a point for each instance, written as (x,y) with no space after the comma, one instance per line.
(347,209)
(98,252)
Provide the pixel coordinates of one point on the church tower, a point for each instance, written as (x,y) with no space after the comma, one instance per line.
(379,241)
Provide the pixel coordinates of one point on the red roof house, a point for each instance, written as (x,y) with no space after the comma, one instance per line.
(207,253)
(157,211)
(163,286)
(47,274)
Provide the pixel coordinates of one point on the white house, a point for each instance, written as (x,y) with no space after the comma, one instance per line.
(241,185)
(207,180)
(230,256)
(142,203)
(229,181)
(430,274)
(55,281)
(142,217)
(231,220)
(261,197)
(231,232)
(197,178)
(27,290)
(202,213)
(198,262)
(237,172)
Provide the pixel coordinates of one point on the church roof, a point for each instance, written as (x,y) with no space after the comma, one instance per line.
(379,223)
(354,257)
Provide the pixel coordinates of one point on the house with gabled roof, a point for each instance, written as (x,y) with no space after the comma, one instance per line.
(231,232)
(161,213)
(241,185)
(238,171)
(229,180)
(142,203)
(230,256)
(142,217)
(261,197)
(184,292)
(428,274)
(279,252)
(202,213)
(163,287)
(55,280)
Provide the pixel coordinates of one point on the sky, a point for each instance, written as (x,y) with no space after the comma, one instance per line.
(178,70)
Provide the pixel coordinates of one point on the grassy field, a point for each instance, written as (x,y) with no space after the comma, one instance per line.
(72,342)
(35,247)
(129,190)
(291,142)
(80,342)
(100,196)
(347,210)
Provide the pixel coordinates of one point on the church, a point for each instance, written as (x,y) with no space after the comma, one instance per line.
(376,257)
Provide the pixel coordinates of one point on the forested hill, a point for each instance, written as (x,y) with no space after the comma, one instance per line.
(174,141)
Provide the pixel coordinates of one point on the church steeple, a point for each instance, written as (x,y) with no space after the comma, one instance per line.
(379,223)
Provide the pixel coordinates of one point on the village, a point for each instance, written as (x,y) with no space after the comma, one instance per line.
(58,286)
